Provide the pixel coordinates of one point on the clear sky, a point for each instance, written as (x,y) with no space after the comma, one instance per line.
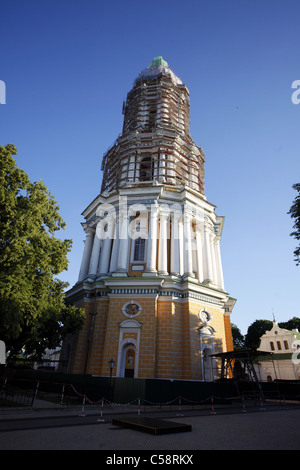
(69,64)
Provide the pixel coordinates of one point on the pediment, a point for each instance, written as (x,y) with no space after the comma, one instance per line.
(130,323)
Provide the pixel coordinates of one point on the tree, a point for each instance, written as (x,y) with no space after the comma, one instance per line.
(33,313)
(237,337)
(291,324)
(255,331)
(295,214)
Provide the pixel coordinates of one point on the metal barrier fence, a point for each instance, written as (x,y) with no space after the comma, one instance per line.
(11,396)
(23,392)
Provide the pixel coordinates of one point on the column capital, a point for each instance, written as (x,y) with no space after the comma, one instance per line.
(164,212)
(89,231)
(124,215)
(154,213)
(176,215)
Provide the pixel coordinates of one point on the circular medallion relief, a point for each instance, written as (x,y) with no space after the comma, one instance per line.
(131,309)
(204,316)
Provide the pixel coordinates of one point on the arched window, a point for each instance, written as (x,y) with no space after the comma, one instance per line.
(146,169)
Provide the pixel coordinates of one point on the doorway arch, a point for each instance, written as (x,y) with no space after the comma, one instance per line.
(207,348)
(128,360)
(128,353)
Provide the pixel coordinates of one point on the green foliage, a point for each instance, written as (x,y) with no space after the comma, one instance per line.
(295,214)
(292,324)
(255,331)
(237,337)
(33,313)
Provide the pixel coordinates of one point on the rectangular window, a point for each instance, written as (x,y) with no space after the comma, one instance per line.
(139,249)
(286,344)
(279,345)
(272,345)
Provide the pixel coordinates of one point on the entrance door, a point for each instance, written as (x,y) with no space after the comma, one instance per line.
(129,361)
(207,364)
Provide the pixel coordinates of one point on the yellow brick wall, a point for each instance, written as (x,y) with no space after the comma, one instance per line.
(165,362)
(147,332)
(228,333)
(79,349)
(169,338)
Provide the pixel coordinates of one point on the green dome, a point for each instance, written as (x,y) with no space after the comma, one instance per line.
(158,66)
(158,61)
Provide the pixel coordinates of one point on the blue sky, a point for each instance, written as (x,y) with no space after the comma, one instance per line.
(69,64)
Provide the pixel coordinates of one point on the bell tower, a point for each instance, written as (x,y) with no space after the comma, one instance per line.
(155,145)
(151,278)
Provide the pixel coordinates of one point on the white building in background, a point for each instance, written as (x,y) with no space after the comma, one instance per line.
(284,361)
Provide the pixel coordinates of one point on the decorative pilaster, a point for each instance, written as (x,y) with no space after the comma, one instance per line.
(213,258)
(219,265)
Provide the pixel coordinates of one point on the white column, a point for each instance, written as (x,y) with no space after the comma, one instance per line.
(181,246)
(199,255)
(105,256)
(88,244)
(115,249)
(175,250)
(163,245)
(207,256)
(194,251)
(188,259)
(219,265)
(122,265)
(106,248)
(152,243)
(96,250)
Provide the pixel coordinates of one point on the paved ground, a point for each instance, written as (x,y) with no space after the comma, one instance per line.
(274,428)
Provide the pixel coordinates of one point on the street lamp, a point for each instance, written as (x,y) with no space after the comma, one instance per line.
(111,366)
